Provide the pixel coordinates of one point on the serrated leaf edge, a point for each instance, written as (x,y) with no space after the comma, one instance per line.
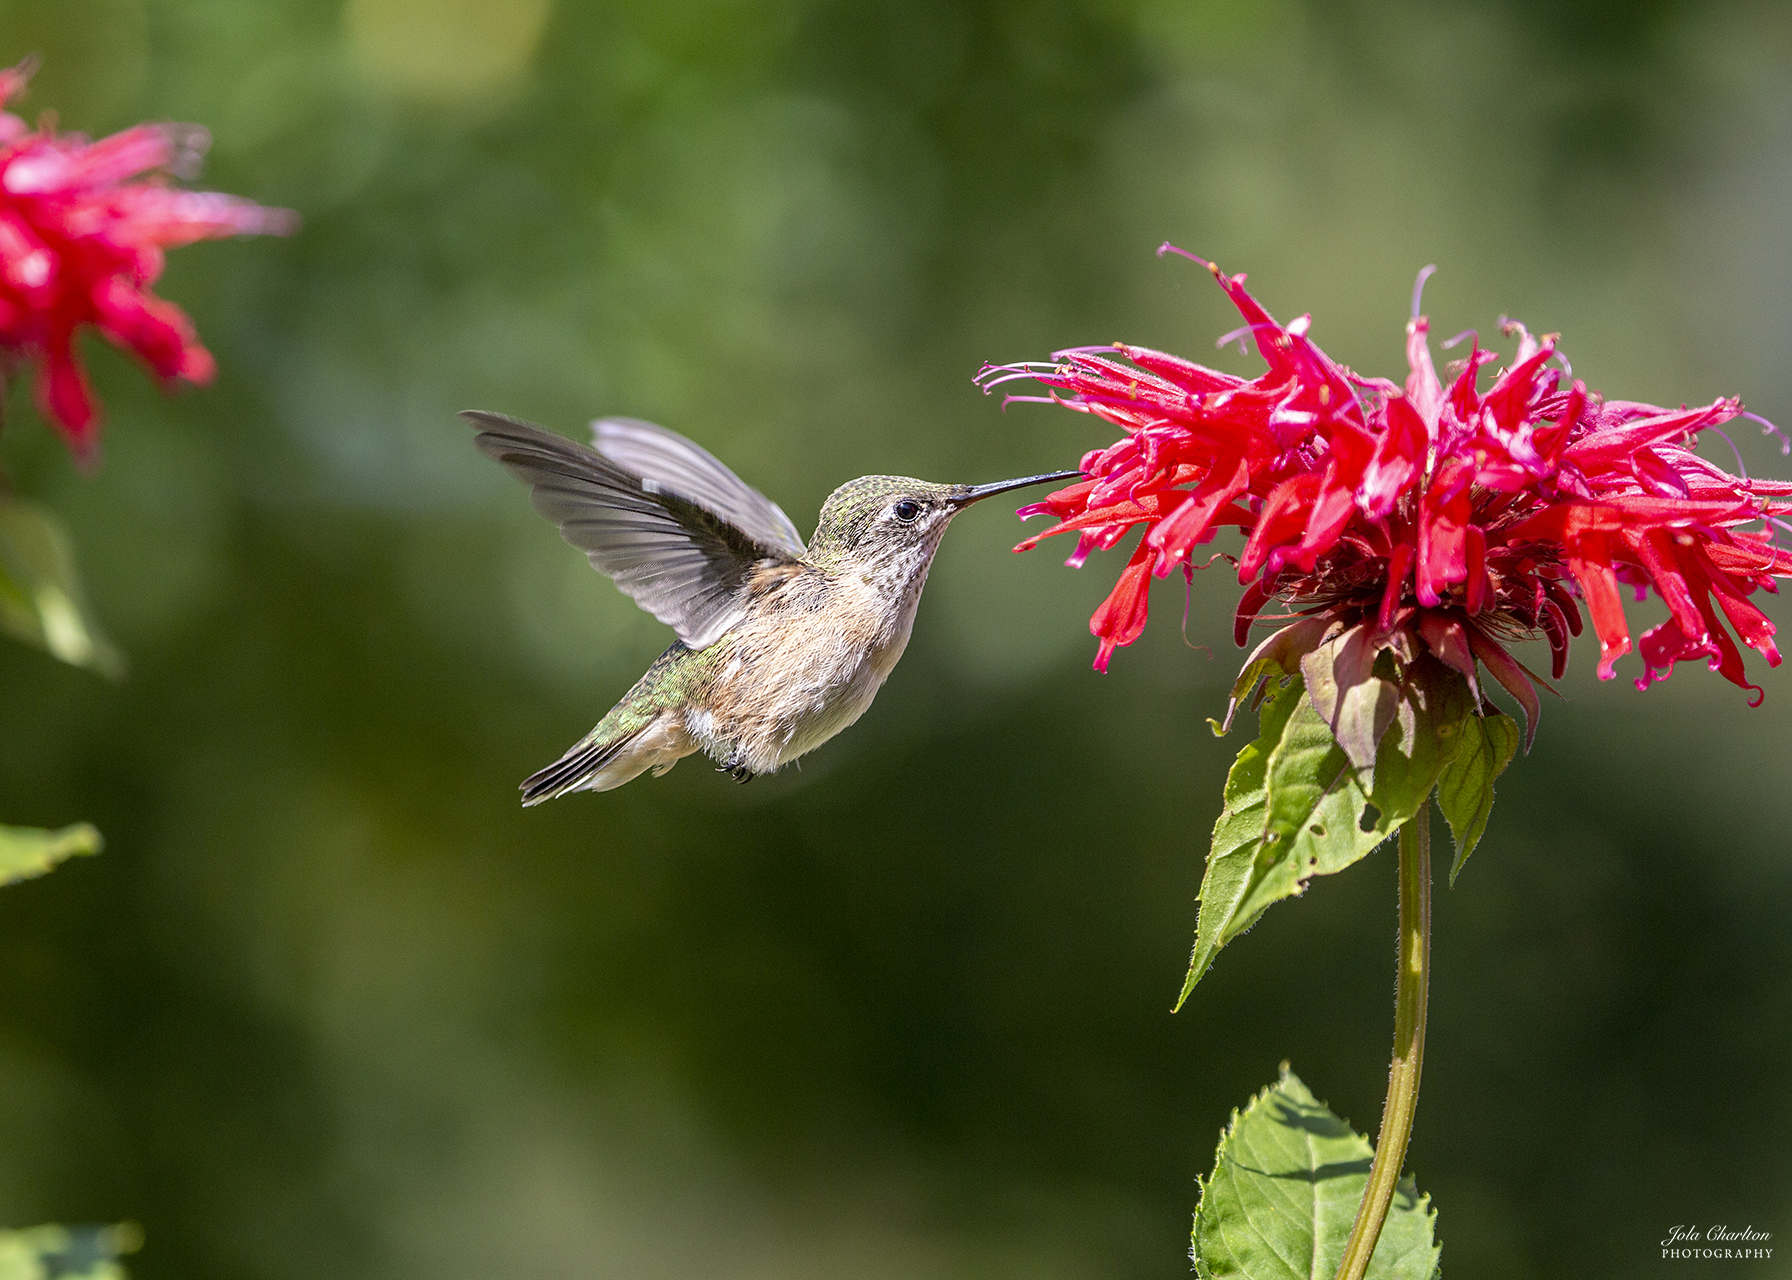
(1407,1184)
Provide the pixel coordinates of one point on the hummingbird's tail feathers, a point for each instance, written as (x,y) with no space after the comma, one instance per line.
(572,770)
(602,762)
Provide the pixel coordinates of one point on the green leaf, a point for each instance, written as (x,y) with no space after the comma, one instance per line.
(1465,791)
(1297,808)
(1236,836)
(67,1253)
(1434,704)
(1315,819)
(1283,1196)
(40,593)
(1294,809)
(26,852)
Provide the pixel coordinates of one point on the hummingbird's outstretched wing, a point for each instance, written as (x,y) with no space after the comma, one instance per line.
(692,471)
(684,557)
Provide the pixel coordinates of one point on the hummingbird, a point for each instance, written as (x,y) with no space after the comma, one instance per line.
(780,645)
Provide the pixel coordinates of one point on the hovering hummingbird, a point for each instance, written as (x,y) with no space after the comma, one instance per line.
(780,645)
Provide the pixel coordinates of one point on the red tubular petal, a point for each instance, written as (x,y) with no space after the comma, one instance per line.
(1755,628)
(1589,560)
(1565,603)
(1548,441)
(1121,617)
(158,332)
(1398,564)
(1509,397)
(1284,512)
(1326,519)
(1122,514)
(1749,555)
(1443,538)
(1189,525)
(63,396)
(169,218)
(1660,647)
(1556,631)
(27,264)
(1653,473)
(1660,559)
(1479,589)
(1085,545)
(1092,367)
(56,170)
(1399,458)
(14,79)
(1462,398)
(1250,604)
(1422,385)
(1271,339)
(1632,508)
(1607,446)
(1727,661)
(1349,454)
(196,365)
(1562,521)
(1194,378)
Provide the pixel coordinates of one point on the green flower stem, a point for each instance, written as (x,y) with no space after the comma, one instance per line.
(1410,992)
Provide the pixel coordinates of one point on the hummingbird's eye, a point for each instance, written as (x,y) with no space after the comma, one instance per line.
(906,510)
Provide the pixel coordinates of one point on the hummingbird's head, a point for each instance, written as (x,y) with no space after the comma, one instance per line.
(892,525)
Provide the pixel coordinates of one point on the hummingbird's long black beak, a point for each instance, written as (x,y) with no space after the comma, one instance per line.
(977,492)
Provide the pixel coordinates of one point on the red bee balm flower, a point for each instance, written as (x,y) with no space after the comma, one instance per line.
(81,238)
(1434,517)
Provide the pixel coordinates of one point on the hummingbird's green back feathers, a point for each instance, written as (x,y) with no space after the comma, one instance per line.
(641,732)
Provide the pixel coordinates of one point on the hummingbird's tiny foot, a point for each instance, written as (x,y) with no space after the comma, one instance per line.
(739,772)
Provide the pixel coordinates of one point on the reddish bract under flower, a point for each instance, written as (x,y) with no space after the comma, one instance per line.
(82,232)
(1456,517)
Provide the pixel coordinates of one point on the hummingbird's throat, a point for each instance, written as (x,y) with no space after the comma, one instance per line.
(897,574)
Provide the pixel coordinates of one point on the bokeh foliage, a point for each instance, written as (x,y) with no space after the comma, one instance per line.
(332,1004)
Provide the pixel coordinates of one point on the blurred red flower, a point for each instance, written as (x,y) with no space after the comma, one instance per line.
(1436,517)
(82,230)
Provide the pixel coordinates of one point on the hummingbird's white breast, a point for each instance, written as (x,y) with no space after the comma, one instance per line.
(808,663)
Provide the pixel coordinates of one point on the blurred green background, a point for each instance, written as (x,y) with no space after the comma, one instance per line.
(332,1004)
